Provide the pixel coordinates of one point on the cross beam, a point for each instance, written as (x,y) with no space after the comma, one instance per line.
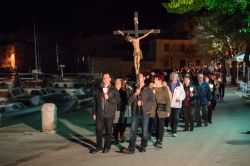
(139,31)
(136,31)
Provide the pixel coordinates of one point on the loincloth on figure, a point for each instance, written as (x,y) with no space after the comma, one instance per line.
(138,53)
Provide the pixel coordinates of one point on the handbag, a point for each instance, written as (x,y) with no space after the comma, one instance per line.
(161,107)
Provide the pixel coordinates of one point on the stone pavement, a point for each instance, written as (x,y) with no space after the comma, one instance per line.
(224,142)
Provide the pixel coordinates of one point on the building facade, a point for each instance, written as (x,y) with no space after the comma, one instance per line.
(97,54)
(176,54)
(115,55)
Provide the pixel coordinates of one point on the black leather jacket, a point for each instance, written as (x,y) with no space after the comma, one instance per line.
(106,108)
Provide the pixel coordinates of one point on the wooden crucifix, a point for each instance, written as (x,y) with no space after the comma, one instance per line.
(136,40)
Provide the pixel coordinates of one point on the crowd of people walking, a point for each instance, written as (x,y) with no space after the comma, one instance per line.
(155,104)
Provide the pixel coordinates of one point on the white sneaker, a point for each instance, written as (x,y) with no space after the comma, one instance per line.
(174,135)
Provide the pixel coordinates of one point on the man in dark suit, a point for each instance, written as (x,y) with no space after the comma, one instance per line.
(106,99)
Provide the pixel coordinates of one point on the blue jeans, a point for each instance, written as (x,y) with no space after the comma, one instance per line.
(222,90)
(198,117)
(174,119)
(143,121)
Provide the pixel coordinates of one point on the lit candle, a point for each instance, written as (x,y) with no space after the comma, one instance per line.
(191,89)
(105,90)
(211,86)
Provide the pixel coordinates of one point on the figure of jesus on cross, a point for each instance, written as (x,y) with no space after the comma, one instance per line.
(136,44)
(136,40)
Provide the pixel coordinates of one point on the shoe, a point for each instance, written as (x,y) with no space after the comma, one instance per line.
(115,142)
(106,150)
(174,135)
(210,121)
(186,129)
(206,124)
(191,129)
(142,150)
(158,145)
(96,151)
(198,125)
(129,151)
(122,139)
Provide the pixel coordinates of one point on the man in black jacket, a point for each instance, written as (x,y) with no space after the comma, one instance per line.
(106,100)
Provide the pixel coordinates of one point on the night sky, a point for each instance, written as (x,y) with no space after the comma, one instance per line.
(89,17)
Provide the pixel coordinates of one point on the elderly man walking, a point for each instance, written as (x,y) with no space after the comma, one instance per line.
(204,100)
(177,95)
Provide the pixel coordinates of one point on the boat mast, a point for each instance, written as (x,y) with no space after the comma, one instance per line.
(36,59)
(57,57)
(59,66)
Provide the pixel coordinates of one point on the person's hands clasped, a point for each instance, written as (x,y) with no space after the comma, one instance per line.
(106,96)
(137,92)
(191,94)
(139,103)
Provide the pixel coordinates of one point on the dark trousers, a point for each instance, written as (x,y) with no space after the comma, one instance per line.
(167,121)
(198,117)
(119,127)
(189,116)
(210,111)
(103,124)
(151,127)
(222,90)
(174,119)
(143,121)
(159,122)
